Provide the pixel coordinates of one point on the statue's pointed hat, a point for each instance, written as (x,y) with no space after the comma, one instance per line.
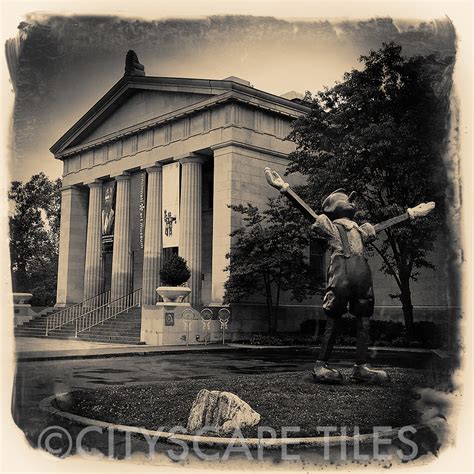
(329,203)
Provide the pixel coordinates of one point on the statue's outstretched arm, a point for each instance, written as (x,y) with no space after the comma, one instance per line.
(421,210)
(276,181)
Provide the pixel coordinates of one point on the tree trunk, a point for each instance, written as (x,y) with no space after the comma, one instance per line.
(407,307)
(271,329)
(269,302)
(275,313)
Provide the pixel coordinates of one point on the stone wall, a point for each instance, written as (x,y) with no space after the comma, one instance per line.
(250,319)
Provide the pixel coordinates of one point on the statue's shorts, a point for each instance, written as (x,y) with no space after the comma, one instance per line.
(349,284)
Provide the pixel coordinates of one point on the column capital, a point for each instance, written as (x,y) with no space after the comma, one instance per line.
(156,168)
(125,176)
(94,184)
(71,187)
(190,158)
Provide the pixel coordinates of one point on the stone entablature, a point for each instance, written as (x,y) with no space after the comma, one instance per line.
(200,126)
(218,92)
(203,113)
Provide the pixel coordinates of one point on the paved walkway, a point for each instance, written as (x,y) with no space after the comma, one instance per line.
(30,349)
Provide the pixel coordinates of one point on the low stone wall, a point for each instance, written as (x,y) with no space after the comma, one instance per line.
(250,319)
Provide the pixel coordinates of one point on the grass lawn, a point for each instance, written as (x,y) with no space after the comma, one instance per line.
(284,399)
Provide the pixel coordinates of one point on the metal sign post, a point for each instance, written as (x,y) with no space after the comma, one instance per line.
(224,318)
(206,317)
(188,317)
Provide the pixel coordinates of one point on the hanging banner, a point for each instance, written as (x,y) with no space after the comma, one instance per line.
(137,210)
(108,214)
(170,217)
(142,209)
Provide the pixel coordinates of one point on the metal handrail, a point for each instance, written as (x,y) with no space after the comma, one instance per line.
(71,313)
(108,311)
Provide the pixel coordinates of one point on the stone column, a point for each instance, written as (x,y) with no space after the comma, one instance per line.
(190,222)
(94,269)
(72,245)
(225,160)
(153,236)
(121,258)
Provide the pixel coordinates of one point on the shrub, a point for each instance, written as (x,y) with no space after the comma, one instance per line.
(308,327)
(382,333)
(175,271)
(265,340)
(430,334)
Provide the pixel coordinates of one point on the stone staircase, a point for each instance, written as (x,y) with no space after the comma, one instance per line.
(123,329)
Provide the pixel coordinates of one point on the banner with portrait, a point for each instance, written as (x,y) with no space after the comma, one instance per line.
(170,209)
(108,214)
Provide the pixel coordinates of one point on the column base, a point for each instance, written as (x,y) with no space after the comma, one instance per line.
(62,305)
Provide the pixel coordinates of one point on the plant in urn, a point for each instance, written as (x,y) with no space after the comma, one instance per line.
(174,274)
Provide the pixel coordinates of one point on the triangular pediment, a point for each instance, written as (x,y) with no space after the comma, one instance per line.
(141,105)
(133,102)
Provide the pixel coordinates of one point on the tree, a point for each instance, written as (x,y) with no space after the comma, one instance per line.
(267,257)
(381,133)
(34,237)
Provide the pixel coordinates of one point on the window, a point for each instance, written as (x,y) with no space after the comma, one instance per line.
(168,252)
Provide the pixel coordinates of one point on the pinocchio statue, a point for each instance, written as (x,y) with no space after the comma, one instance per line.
(349,284)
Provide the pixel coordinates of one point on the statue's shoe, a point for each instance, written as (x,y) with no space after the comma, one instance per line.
(364,373)
(323,374)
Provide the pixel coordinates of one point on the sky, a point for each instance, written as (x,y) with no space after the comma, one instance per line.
(60,65)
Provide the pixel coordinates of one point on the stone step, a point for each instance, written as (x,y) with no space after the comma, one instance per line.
(99,330)
(29,331)
(95,333)
(115,322)
(36,322)
(41,320)
(113,337)
(43,336)
(124,328)
(119,325)
(120,340)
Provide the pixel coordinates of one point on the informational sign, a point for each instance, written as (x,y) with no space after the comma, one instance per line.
(170,217)
(108,214)
(169,318)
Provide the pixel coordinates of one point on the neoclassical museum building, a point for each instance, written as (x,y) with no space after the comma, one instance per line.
(151,169)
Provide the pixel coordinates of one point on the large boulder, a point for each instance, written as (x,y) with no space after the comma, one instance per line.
(220,412)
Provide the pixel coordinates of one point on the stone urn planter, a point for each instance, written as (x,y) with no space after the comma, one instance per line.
(173,293)
(22,298)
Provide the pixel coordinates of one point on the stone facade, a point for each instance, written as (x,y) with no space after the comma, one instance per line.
(223,134)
